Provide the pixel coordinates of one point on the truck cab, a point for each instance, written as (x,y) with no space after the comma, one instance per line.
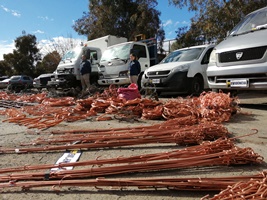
(114,64)
(67,74)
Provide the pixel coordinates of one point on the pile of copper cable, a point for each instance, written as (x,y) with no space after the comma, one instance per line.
(30,98)
(217,153)
(181,184)
(167,132)
(210,106)
(253,188)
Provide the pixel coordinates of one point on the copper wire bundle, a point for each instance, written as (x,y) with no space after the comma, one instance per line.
(188,184)
(253,188)
(161,133)
(204,148)
(216,107)
(197,156)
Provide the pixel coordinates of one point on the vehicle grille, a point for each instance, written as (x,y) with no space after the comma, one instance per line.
(158,73)
(248,54)
(44,80)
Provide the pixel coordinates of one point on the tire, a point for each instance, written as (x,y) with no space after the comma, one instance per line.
(139,81)
(196,86)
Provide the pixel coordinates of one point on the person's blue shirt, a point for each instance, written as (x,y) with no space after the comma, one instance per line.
(85,67)
(135,68)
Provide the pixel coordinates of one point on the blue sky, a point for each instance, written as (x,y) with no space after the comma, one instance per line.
(49,19)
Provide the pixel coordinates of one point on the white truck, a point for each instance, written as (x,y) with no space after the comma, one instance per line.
(67,74)
(114,63)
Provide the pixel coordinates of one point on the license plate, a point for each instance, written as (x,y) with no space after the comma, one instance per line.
(155,80)
(109,81)
(238,83)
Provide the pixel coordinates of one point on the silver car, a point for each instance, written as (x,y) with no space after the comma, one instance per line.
(20,82)
(4,83)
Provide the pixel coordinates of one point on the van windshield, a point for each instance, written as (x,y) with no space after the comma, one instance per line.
(183,55)
(121,52)
(252,22)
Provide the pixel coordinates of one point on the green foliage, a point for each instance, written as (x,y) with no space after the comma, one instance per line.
(24,57)
(48,64)
(5,70)
(213,19)
(125,18)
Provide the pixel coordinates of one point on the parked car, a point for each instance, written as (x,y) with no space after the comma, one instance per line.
(41,81)
(3,78)
(20,82)
(239,62)
(182,71)
(4,83)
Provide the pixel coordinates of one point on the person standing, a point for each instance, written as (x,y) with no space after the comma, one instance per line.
(85,69)
(135,68)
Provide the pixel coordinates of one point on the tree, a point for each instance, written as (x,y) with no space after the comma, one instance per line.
(125,18)
(60,45)
(5,69)
(213,19)
(48,64)
(25,56)
(160,38)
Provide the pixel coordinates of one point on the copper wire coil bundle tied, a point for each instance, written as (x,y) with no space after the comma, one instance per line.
(253,188)
(183,184)
(220,152)
(167,132)
(217,107)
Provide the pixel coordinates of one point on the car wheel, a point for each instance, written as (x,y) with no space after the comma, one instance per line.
(139,81)
(196,86)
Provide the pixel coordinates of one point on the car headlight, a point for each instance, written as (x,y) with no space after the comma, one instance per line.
(145,73)
(213,56)
(180,68)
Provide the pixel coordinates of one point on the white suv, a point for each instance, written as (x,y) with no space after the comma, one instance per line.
(182,71)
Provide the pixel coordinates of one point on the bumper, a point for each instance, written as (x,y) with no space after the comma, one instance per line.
(241,77)
(115,81)
(176,82)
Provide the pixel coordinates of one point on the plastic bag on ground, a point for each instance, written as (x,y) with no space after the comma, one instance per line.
(129,93)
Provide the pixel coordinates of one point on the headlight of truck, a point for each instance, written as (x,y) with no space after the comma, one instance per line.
(213,56)
(123,73)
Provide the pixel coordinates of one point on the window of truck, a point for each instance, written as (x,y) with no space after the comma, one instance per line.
(116,52)
(141,50)
(71,54)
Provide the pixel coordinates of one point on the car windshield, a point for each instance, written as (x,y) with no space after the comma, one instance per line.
(117,52)
(254,21)
(183,55)
(71,54)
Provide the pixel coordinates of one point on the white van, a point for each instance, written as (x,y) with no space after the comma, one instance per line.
(240,61)
(182,71)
